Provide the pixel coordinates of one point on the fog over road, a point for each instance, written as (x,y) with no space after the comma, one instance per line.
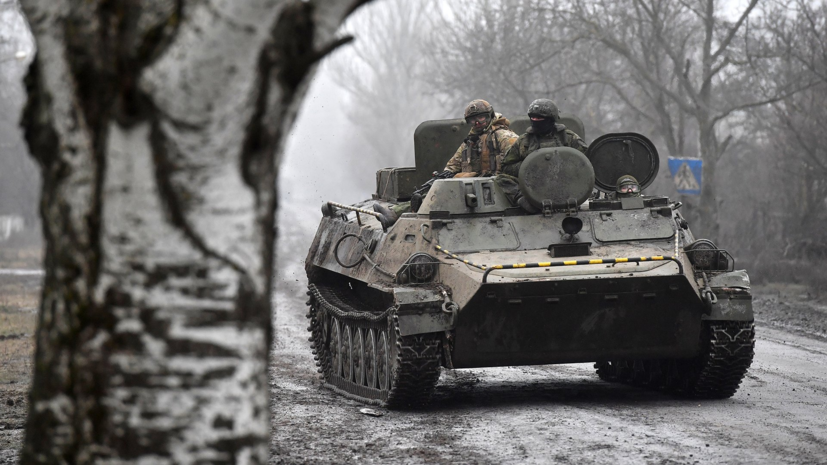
(561,413)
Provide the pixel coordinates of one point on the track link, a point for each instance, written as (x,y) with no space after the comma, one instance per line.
(374,364)
(727,349)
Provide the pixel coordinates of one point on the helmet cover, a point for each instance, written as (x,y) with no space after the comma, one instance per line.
(478,107)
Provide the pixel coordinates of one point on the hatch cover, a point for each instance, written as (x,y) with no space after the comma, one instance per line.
(617,154)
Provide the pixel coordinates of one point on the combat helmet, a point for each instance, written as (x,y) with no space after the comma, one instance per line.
(478,107)
(627,186)
(544,107)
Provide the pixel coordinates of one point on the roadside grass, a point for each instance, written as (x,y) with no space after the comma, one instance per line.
(16,344)
(16,360)
(27,255)
(16,323)
(19,295)
(19,301)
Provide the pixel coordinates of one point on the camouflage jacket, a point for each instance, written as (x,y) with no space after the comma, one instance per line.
(529,142)
(479,150)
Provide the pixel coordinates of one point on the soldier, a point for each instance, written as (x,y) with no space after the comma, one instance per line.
(544,132)
(627,186)
(480,154)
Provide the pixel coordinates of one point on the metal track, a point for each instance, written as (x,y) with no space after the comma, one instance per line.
(727,349)
(412,362)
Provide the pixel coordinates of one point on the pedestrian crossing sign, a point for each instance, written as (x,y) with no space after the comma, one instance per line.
(686,172)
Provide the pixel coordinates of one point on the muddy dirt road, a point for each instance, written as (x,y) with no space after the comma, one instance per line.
(564,413)
(556,414)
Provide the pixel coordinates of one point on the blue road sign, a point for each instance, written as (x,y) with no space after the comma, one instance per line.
(686,172)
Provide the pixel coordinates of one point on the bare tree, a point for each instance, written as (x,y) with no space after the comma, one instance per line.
(510,52)
(158,126)
(793,128)
(384,77)
(690,62)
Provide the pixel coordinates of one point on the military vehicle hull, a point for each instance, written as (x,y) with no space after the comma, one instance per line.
(469,281)
(382,340)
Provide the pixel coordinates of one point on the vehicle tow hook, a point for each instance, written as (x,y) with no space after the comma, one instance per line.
(709,297)
(449,306)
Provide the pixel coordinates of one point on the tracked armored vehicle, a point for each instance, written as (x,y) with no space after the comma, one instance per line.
(468,280)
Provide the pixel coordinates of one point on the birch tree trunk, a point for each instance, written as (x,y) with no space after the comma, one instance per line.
(157,125)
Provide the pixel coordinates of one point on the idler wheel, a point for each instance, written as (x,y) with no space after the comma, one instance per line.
(370,359)
(557,174)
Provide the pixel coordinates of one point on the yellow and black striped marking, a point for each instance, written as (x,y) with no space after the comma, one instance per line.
(482,267)
(596,261)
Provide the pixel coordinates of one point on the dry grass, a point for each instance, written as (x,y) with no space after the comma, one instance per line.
(19,300)
(16,345)
(14,322)
(20,294)
(28,258)
(16,360)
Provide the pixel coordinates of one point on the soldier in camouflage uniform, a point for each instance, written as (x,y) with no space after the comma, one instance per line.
(480,154)
(544,132)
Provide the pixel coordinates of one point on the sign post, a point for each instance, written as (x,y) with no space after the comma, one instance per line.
(687,174)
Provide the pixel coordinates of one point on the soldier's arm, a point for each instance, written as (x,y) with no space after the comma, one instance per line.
(576,142)
(506,140)
(513,160)
(455,163)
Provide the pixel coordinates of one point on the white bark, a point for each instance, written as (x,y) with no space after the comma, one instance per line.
(158,126)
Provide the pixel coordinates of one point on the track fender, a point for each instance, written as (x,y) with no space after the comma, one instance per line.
(420,311)
(734,301)
(731,307)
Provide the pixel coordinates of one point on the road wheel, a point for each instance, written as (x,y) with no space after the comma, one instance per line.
(358,357)
(347,353)
(383,362)
(370,359)
(335,348)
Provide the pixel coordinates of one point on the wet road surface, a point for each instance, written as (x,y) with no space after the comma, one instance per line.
(562,413)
